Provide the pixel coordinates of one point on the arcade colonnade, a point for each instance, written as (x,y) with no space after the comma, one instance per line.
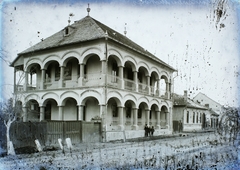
(72,70)
(121,112)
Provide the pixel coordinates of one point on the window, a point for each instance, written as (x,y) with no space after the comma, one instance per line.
(197,118)
(187,117)
(66,31)
(193,117)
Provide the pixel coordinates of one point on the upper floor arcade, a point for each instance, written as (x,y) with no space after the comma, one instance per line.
(91,55)
(90,67)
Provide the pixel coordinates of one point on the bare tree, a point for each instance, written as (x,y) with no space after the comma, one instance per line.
(229,124)
(8,115)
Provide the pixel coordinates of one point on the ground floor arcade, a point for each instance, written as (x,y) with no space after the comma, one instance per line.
(118,112)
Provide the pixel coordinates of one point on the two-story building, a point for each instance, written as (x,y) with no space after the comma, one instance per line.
(88,71)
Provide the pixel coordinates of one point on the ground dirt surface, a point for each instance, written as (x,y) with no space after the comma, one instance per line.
(194,151)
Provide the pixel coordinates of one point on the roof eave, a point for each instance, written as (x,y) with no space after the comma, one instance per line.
(171,68)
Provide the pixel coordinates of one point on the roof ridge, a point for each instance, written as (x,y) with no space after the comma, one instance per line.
(96,24)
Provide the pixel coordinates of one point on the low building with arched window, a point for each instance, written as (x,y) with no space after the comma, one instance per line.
(87,72)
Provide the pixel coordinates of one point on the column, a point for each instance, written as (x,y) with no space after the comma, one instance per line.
(167,90)
(135,118)
(148,85)
(60,112)
(103,115)
(24,114)
(14,81)
(135,79)
(60,85)
(159,87)
(120,71)
(167,121)
(147,116)
(120,111)
(31,79)
(43,79)
(170,89)
(80,112)
(42,113)
(104,71)
(158,120)
(170,119)
(81,76)
(26,81)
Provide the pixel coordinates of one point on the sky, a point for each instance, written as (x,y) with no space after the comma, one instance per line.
(188,35)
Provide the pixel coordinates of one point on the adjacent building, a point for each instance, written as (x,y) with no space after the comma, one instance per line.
(90,72)
(191,114)
(215,108)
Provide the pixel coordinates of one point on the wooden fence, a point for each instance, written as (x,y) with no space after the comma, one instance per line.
(25,133)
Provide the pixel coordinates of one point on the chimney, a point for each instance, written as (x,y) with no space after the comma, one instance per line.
(207,105)
(185,95)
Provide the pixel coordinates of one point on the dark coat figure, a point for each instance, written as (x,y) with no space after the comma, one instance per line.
(146,130)
(152,130)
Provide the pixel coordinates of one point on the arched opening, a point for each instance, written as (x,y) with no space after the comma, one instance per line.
(52,75)
(163,86)
(51,110)
(142,119)
(154,83)
(70,109)
(142,80)
(72,69)
(113,113)
(71,73)
(113,71)
(128,76)
(128,114)
(34,77)
(91,109)
(33,111)
(164,117)
(93,70)
(153,115)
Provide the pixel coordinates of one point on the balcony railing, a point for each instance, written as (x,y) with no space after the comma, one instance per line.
(114,81)
(129,84)
(115,120)
(97,80)
(142,88)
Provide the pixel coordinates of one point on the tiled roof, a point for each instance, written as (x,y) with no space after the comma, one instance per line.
(88,29)
(179,100)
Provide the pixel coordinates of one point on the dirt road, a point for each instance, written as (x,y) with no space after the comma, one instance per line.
(202,151)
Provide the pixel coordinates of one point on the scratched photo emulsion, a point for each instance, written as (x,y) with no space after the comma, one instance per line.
(119,84)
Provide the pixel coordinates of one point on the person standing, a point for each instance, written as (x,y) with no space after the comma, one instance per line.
(152,130)
(146,130)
